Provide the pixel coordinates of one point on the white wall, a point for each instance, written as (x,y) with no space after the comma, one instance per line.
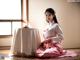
(5,40)
(68,15)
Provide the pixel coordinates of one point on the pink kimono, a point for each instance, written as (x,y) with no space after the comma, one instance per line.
(51,47)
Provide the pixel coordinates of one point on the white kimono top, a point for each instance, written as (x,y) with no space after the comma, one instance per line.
(54,32)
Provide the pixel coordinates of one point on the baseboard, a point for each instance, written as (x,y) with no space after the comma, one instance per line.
(4,47)
(8,48)
(70,48)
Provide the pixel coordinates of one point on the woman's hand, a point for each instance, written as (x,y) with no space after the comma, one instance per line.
(51,40)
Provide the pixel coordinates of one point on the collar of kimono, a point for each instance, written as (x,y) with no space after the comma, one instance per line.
(51,23)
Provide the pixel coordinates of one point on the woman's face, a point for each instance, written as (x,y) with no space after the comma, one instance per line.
(49,16)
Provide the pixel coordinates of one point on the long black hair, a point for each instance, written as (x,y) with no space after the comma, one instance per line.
(51,11)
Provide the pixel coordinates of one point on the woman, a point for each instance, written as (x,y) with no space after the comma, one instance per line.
(53,36)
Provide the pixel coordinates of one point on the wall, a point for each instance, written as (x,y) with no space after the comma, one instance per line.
(68,15)
(5,40)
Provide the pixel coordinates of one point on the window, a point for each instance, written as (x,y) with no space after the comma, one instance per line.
(10,9)
(5,28)
(10,16)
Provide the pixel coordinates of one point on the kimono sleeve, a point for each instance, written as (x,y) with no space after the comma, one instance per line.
(59,34)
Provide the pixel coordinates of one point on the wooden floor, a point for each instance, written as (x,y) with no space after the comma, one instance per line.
(6,52)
